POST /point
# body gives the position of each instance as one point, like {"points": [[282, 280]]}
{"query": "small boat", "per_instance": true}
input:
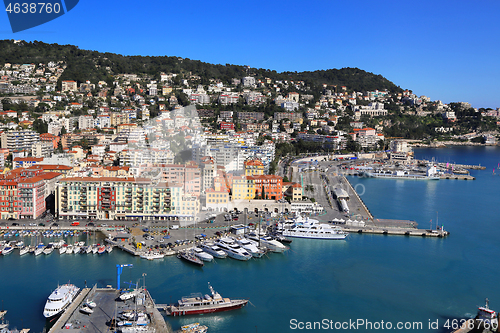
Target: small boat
{"points": [[85, 309], [91, 304], [7, 249], [101, 249], [48, 249], [63, 249], [190, 257], [39, 249], [109, 248], [88, 249], [152, 255], [130, 294], [24, 250], [194, 328], [95, 249], [202, 254], [69, 249]]}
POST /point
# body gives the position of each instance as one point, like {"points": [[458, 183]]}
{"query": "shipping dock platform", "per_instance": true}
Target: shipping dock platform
{"points": [[108, 313]]}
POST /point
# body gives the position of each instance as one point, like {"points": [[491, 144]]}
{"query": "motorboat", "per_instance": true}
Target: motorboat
{"points": [[69, 249], [233, 250], [39, 249], [198, 304], [87, 310], [48, 249], [268, 242], [59, 299], [152, 255], [202, 254], [213, 250], [91, 304], [23, 250], [251, 246], [63, 249], [101, 249], [7, 249], [109, 248], [129, 294]]}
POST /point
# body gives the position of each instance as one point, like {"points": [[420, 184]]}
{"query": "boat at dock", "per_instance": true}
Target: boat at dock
{"points": [[213, 250], [251, 246], [198, 304], [430, 174], [190, 257], [202, 254], [229, 245], [310, 228], [267, 241], [60, 299], [152, 255]]}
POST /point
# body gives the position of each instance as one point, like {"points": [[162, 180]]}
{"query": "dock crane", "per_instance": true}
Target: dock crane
{"points": [[119, 269]]}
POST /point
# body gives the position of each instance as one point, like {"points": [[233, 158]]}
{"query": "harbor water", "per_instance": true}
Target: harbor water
{"points": [[366, 277]]}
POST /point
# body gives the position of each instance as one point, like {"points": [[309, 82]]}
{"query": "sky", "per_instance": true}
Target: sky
{"points": [[446, 50]]}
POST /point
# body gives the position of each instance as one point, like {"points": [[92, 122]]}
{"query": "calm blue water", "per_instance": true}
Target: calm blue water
{"points": [[369, 277]]}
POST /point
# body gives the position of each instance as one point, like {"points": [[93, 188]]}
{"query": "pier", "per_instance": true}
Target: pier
{"points": [[107, 311]]}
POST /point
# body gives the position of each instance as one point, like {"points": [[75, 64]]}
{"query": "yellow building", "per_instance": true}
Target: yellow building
{"points": [[253, 167], [243, 188]]}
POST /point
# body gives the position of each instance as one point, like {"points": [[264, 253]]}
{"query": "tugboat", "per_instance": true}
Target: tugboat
{"points": [[198, 304], [486, 321]]}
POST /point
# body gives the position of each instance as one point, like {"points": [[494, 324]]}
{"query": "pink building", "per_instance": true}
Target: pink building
{"points": [[31, 193], [188, 175]]}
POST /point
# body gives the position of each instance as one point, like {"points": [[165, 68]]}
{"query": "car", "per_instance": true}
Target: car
{"points": [[41, 224], [15, 223], [170, 244], [54, 224], [178, 242], [90, 224], [33, 224], [11, 219], [218, 233], [104, 225]]}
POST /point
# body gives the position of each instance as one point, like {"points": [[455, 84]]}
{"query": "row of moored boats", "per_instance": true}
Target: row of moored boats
{"points": [[60, 246]]}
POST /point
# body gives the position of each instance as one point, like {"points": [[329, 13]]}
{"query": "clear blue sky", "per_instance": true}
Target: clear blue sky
{"points": [[447, 50]]}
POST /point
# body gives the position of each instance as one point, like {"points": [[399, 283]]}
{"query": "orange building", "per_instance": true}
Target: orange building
{"points": [[268, 186]]}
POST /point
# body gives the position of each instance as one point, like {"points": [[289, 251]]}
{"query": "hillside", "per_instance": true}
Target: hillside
{"points": [[85, 65]]}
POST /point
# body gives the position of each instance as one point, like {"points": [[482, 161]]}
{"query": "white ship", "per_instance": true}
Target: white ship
{"points": [[232, 249], [310, 228], [60, 299], [431, 174]]}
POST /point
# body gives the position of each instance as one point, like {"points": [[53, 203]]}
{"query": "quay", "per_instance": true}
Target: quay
{"points": [[106, 313]]}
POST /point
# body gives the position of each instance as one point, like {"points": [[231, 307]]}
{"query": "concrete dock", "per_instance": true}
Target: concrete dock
{"points": [[107, 312]]}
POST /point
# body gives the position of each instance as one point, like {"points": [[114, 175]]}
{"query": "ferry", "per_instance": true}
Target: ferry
{"points": [[310, 228], [431, 174], [198, 304], [59, 300]]}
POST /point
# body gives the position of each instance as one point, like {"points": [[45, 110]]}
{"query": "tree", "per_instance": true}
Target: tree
{"points": [[63, 130]]}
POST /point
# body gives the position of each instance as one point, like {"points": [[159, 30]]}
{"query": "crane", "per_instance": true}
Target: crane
{"points": [[119, 269]]}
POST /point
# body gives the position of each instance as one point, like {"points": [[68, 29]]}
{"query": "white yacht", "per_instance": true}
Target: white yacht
{"points": [[60, 299], [69, 249], [232, 249], [268, 242], [7, 249], [76, 248], [251, 246], [152, 255], [63, 249], [214, 250], [39, 249], [48, 249], [310, 228], [202, 254], [24, 250]]}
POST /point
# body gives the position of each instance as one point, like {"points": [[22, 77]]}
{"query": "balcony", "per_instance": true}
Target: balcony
{"points": [[128, 190]]}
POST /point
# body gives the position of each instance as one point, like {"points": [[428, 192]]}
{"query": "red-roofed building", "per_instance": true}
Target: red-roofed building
{"points": [[268, 186], [31, 197], [226, 126]]}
